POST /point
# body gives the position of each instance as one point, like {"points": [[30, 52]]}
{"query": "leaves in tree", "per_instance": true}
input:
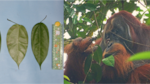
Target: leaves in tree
{"points": [[75, 19], [80, 8], [103, 2], [90, 6], [17, 42], [87, 19], [109, 61], [40, 42]]}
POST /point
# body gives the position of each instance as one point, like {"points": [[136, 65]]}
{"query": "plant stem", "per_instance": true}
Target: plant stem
{"points": [[11, 21], [44, 18]]}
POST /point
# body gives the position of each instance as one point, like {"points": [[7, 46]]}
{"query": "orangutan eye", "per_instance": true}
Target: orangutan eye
{"points": [[107, 40]]}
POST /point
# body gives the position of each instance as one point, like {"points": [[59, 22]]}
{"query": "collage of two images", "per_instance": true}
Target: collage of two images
{"points": [[74, 41]]}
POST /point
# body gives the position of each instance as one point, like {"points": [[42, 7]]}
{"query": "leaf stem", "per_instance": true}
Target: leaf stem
{"points": [[90, 66], [44, 18], [11, 21]]}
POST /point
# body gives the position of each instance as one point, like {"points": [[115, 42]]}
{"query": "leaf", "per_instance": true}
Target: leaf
{"points": [[97, 72], [81, 34], [109, 61], [80, 8], [70, 0], [89, 77], [80, 20], [90, 6], [66, 82], [17, 42], [148, 2], [80, 82], [139, 9], [74, 19], [98, 55], [40, 42], [147, 21], [69, 10], [130, 7], [140, 56], [103, 2], [71, 13], [87, 19], [66, 77], [87, 64]]}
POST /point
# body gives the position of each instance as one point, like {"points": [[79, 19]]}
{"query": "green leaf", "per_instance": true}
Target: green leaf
{"points": [[70, 0], [139, 9], [140, 56], [87, 64], [66, 77], [75, 19], [90, 6], [98, 55], [109, 61], [81, 34], [87, 19], [89, 77], [66, 82], [80, 82], [147, 21], [148, 2], [80, 20], [69, 10], [80, 8], [103, 2], [97, 72], [17, 42], [130, 7], [71, 13], [40, 42]]}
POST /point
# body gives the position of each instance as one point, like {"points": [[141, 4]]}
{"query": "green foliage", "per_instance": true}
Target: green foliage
{"points": [[96, 14], [109, 61], [148, 20], [17, 42], [40, 42], [98, 55], [140, 56], [66, 82], [96, 72], [93, 70], [66, 77], [87, 64]]}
